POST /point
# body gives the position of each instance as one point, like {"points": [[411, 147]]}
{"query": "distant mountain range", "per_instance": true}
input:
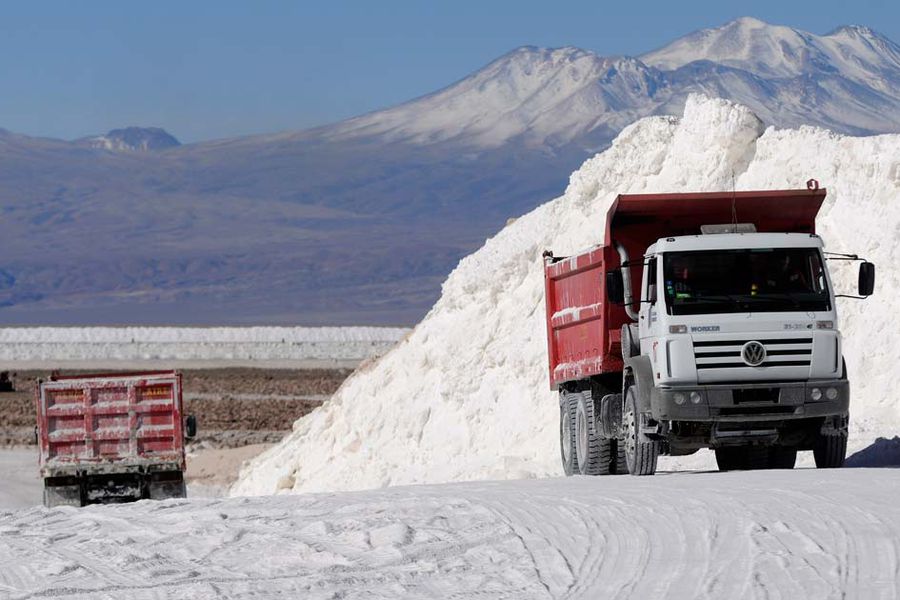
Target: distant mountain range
{"points": [[359, 222]]}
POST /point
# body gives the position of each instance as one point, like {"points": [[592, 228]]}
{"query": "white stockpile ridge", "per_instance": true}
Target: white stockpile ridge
{"points": [[34, 344], [465, 396]]}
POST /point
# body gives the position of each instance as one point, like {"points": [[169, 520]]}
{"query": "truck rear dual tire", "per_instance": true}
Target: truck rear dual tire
{"points": [[641, 452], [594, 455], [567, 406]]}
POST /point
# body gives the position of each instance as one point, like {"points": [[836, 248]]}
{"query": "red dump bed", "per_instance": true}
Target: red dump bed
{"points": [[102, 423], [583, 329]]}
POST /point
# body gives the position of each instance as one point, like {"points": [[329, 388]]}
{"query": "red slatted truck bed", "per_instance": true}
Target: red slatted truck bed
{"points": [[111, 437]]}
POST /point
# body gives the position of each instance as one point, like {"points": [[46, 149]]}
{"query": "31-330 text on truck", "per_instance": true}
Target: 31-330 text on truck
{"points": [[706, 320]]}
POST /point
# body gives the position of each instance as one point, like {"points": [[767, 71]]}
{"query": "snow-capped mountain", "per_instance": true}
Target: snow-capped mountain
{"points": [[134, 139], [359, 222], [848, 80], [538, 96], [857, 53]]}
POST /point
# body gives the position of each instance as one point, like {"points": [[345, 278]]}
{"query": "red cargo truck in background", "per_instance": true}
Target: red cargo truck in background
{"points": [[112, 437], [705, 320]]}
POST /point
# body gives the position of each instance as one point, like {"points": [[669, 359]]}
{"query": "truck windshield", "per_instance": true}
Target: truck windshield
{"points": [[745, 280]]}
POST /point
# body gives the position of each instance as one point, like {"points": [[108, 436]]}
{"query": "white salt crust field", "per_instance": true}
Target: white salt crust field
{"points": [[763, 534], [35, 347]]}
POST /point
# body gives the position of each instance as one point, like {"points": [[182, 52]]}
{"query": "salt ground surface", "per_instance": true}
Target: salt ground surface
{"points": [[764, 534], [20, 482], [465, 396], [25, 347], [210, 472]]}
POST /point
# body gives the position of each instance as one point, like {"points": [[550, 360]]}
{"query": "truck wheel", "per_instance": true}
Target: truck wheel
{"points": [[830, 450], [729, 459], [165, 485], [68, 494], [620, 465], [567, 433], [782, 458], [640, 453], [593, 453]]}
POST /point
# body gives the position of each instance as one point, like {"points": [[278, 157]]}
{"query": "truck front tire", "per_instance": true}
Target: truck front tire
{"points": [[594, 454], [830, 450], [567, 406], [641, 453]]}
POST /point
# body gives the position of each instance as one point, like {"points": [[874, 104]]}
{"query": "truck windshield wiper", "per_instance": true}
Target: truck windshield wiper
{"points": [[777, 297], [718, 298]]}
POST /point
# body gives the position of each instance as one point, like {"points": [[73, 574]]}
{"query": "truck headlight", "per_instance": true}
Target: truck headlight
{"points": [[831, 393], [816, 394], [695, 397], [678, 397]]}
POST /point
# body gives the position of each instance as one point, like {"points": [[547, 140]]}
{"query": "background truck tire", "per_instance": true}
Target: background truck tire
{"points": [[62, 495], [641, 453], [593, 454], [567, 433], [830, 450], [163, 486]]}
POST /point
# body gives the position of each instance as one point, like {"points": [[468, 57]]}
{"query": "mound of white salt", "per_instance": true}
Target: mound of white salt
{"points": [[466, 396]]}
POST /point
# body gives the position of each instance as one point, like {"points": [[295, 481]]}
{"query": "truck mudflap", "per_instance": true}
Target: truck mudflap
{"points": [[751, 402]]}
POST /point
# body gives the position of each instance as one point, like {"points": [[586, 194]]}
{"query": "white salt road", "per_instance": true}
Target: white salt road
{"points": [[777, 534], [20, 483]]}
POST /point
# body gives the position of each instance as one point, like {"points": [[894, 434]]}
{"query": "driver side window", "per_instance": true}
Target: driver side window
{"points": [[650, 286]]}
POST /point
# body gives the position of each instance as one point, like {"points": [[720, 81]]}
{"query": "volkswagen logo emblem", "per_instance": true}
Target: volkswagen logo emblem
{"points": [[753, 353]]}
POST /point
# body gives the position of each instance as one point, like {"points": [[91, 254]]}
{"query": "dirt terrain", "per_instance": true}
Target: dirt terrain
{"points": [[234, 406]]}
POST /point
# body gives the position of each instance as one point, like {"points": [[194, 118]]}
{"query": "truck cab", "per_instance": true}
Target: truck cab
{"points": [[742, 338], [719, 334]]}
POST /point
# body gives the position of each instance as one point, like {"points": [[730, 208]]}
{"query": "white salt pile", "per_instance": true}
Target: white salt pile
{"points": [[466, 396]]}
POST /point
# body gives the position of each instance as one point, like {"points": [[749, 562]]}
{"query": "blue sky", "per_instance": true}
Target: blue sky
{"points": [[207, 70]]}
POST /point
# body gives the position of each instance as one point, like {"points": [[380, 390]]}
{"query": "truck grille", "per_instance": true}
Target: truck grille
{"points": [[726, 353]]}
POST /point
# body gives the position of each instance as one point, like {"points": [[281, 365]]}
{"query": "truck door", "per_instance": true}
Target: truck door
{"points": [[648, 323]]}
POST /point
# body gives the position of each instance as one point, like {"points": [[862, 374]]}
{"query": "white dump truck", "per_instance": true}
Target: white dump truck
{"points": [[705, 320]]}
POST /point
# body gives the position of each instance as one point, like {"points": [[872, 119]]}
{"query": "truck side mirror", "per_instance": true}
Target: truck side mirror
{"points": [[866, 278], [615, 289], [190, 429]]}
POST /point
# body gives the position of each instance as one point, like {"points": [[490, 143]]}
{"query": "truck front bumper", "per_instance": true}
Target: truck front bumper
{"points": [[751, 402]]}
